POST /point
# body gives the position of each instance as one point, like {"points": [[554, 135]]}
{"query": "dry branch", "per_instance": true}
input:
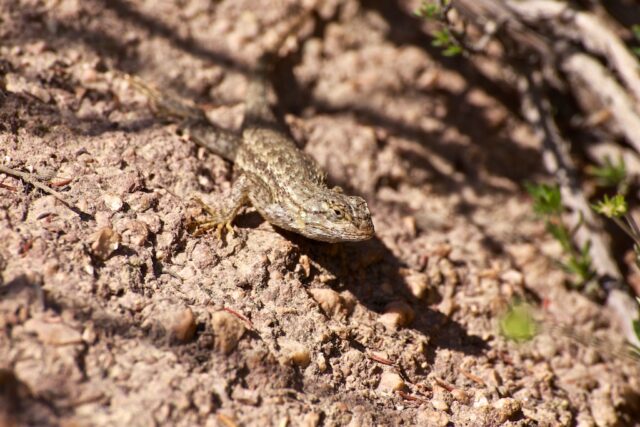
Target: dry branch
{"points": [[593, 75], [587, 29], [527, 24]]}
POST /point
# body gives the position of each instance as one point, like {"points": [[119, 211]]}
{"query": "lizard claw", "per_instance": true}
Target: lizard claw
{"points": [[212, 223]]}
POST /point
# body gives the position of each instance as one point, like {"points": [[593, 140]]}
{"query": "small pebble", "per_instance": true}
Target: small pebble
{"points": [[105, 242], [112, 202], [329, 300], [430, 417], [418, 283], [227, 330], [295, 353], [89, 334], [439, 404], [312, 419], [397, 314], [137, 232], [321, 362], [460, 395], [507, 408], [602, 410], [305, 264], [513, 277], [183, 325], [390, 382]]}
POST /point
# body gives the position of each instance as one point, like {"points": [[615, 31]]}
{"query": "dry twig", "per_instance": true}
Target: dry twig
{"points": [[29, 179]]}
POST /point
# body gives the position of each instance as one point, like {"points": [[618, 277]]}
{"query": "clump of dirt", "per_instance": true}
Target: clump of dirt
{"points": [[123, 318]]}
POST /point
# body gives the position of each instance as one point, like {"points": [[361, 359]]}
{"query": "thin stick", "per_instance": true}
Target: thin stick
{"points": [[29, 179]]}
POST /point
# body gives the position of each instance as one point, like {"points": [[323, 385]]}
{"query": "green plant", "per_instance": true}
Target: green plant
{"points": [[428, 10], [547, 204], [617, 210], [611, 174], [443, 38], [635, 29], [636, 329]]}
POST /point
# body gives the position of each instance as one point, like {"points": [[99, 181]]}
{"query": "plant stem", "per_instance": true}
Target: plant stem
{"points": [[627, 229]]}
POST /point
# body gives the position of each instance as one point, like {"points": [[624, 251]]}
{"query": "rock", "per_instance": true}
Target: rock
{"points": [[480, 399], [246, 396], [105, 242], [305, 264], [294, 352], [329, 300], [312, 419], [227, 330], [397, 314], [53, 333], [602, 410], [89, 334], [112, 202], [430, 417], [182, 325], [460, 395], [439, 404], [321, 362], [136, 233], [506, 408], [513, 277], [390, 382], [418, 283]]}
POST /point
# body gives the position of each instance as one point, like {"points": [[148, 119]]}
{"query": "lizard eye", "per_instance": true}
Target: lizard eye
{"points": [[337, 213]]}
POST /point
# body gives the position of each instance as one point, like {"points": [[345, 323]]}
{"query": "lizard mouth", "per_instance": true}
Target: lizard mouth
{"points": [[366, 229]]}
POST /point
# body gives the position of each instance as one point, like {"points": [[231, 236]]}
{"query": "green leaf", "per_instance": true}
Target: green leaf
{"points": [[441, 38], [452, 50], [561, 234], [547, 199], [581, 264], [635, 29], [636, 327], [427, 10], [614, 207], [609, 174]]}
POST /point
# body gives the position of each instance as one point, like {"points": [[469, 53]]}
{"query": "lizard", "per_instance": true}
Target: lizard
{"points": [[284, 184]]}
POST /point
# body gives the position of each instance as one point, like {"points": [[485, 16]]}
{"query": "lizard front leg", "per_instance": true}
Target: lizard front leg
{"points": [[220, 218]]}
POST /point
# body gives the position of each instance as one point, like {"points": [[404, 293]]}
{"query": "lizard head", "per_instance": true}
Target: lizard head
{"points": [[336, 217]]}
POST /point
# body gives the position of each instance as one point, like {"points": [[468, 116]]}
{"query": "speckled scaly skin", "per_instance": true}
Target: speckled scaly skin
{"points": [[284, 184]]}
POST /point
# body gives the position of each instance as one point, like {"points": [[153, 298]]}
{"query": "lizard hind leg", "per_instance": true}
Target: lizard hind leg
{"points": [[220, 218]]}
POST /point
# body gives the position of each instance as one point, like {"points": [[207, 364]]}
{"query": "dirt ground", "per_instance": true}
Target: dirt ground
{"points": [[122, 318]]}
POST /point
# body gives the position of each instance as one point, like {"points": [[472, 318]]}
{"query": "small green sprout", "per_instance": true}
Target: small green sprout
{"points": [[427, 10], [614, 207], [610, 174], [518, 324], [444, 39], [546, 199], [580, 264], [547, 203]]}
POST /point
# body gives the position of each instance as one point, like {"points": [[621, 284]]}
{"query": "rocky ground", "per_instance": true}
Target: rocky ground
{"points": [[121, 317]]}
